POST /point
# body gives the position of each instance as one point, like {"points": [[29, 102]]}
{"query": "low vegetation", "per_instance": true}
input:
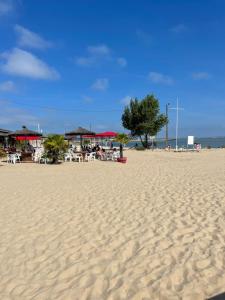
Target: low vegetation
{"points": [[55, 147], [2, 153], [122, 139]]}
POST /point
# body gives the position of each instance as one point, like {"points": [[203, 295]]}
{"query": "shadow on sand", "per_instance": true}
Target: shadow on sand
{"points": [[218, 297]]}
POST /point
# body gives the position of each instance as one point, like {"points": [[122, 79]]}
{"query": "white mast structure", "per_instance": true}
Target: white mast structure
{"points": [[177, 108]]}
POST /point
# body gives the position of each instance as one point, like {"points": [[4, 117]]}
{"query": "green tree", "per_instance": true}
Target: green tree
{"points": [[55, 147], [143, 118], [123, 139]]}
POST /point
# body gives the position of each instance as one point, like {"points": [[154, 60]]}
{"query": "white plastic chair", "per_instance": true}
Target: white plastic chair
{"points": [[109, 156], [115, 155], [68, 157], [13, 158], [38, 155], [92, 156], [9, 158], [17, 157], [43, 159], [88, 157], [78, 157]]}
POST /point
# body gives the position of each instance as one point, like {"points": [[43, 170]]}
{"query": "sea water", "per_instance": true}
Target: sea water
{"points": [[210, 142]]}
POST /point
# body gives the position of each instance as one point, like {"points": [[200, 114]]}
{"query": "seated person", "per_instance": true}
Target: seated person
{"points": [[100, 154], [89, 150]]}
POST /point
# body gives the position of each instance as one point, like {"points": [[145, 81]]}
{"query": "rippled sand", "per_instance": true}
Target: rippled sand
{"points": [[151, 229]]}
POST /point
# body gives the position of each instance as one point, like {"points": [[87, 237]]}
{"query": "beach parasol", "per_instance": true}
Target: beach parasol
{"points": [[25, 134], [4, 132], [103, 135], [79, 132], [4, 135], [106, 134]]}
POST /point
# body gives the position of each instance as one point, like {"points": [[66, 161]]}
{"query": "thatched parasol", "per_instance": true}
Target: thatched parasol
{"points": [[25, 134], [79, 132], [4, 132]]}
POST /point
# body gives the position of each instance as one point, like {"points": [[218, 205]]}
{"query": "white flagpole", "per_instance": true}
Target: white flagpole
{"points": [[177, 108], [177, 126]]}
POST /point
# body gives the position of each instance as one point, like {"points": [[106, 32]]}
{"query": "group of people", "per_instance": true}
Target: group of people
{"points": [[101, 153], [24, 148]]}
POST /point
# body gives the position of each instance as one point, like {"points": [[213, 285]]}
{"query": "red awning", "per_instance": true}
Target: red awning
{"points": [[106, 134], [27, 138]]}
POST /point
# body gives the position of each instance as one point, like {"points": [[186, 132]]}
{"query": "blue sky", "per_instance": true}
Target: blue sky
{"points": [[70, 63]]}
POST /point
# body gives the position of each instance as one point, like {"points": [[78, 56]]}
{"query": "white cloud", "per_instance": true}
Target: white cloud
{"points": [[201, 76], [87, 99], [101, 84], [99, 50], [6, 7], [85, 61], [160, 78], [125, 100], [22, 63], [27, 38], [11, 115], [179, 28], [99, 54], [96, 54], [144, 37], [7, 86], [122, 61]]}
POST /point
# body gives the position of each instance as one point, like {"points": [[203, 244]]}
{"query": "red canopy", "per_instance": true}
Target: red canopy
{"points": [[106, 134], [27, 138]]}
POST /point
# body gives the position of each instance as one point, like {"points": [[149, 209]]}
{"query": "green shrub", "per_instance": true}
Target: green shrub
{"points": [[2, 153], [55, 147]]}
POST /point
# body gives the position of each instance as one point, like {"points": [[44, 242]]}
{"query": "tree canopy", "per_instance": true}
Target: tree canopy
{"points": [[143, 118]]}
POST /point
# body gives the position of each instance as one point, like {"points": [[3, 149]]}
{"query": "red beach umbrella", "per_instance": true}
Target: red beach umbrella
{"points": [[106, 134], [109, 134]]}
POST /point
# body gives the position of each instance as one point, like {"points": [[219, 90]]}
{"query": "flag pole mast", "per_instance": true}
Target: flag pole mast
{"points": [[177, 108], [177, 125]]}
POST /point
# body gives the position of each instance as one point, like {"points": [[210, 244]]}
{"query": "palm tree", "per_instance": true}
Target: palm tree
{"points": [[55, 146], [123, 139]]}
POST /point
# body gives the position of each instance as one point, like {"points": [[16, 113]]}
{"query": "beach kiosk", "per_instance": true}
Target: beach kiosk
{"points": [[80, 131], [25, 135]]}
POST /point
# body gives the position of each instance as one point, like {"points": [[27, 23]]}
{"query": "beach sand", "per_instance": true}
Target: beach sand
{"points": [[153, 228]]}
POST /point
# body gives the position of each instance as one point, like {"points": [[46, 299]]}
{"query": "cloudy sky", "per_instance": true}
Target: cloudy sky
{"points": [[70, 63]]}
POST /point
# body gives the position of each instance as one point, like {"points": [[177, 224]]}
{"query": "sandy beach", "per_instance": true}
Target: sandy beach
{"points": [[153, 228]]}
